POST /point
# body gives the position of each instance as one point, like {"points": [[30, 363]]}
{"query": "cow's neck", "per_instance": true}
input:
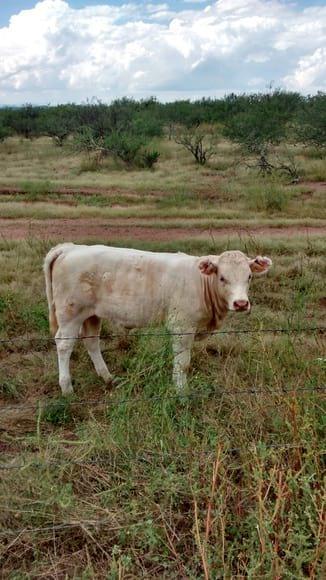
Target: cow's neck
{"points": [[215, 304]]}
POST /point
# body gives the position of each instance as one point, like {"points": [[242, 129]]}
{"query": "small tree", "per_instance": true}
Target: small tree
{"points": [[94, 115], [121, 130], [86, 141], [197, 141], [125, 147], [4, 132], [311, 122], [24, 121], [260, 127], [58, 122]]}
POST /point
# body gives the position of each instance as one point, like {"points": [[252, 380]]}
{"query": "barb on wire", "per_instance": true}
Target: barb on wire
{"points": [[157, 453], [289, 330], [178, 396]]}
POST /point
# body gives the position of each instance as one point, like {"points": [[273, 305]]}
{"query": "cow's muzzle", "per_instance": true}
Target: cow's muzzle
{"points": [[241, 305]]}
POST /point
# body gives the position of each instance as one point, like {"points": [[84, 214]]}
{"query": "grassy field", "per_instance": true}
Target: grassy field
{"points": [[135, 482]]}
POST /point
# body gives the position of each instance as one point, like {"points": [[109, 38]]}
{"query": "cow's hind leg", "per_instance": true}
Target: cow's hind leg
{"points": [[91, 329], [65, 339]]}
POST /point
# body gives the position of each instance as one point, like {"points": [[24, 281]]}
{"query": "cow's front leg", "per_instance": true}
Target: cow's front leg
{"points": [[182, 345]]}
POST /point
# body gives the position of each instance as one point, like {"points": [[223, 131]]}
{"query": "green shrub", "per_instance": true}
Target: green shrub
{"points": [[149, 158], [35, 317], [123, 146], [58, 412], [9, 387]]}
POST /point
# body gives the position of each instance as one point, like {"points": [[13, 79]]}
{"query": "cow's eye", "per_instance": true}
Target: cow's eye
{"points": [[222, 279], [250, 276]]}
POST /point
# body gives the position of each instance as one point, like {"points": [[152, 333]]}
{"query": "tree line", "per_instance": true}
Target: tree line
{"points": [[125, 127]]}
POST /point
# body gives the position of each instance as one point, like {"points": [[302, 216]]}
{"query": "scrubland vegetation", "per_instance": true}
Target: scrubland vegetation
{"points": [[134, 481]]}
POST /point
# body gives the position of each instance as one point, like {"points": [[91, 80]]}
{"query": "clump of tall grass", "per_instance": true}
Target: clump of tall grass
{"points": [[36, 189], [90, 164], [314, 169], [267, 196]]}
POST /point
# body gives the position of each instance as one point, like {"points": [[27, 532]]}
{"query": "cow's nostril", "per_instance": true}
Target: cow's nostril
{"points": [[241, 304]]}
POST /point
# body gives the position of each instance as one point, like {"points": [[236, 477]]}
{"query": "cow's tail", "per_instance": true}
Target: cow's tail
{"points": [[50, 258]]}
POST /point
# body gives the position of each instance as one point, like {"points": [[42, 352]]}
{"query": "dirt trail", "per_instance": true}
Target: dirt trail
{"points": [[97, 229], [65, 190], [108, 191]]}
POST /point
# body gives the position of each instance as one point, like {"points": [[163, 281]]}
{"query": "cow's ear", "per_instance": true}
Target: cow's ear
{"points": [[260, 265], [206, 266]]}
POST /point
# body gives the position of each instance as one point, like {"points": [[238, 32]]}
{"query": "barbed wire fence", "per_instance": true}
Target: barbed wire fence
{"points": [[283, 330], [40, 405], [162, 454]]}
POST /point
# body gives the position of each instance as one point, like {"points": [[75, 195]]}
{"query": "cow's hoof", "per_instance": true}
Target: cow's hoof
{"points": [[116, 381], [112, 381], [107, 378], [67, 390]]}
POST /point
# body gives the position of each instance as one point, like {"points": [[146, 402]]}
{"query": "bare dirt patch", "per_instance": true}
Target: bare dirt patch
{"points": [[87, 229], [322, 302], [314, 185], [311, 187]]}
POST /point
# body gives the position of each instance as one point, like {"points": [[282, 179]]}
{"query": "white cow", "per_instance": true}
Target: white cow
{"points": [[135, 289]]}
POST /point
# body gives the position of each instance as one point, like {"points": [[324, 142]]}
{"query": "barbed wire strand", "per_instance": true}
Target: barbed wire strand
{"points": [[162, 454], [42, 404], [296, 330], [68, 525]]}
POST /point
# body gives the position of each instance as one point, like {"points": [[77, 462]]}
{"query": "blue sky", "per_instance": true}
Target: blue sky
{"points": [[56, 51], [10, 7]]}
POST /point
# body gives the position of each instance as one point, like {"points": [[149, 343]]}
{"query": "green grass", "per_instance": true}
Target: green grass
{"points": [[178, 485]]}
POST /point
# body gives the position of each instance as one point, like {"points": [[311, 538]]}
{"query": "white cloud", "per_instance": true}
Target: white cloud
{"points": [[56, 53], [310, 72]]}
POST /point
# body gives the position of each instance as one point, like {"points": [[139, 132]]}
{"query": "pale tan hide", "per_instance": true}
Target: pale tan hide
{"points": [[135, 289]]}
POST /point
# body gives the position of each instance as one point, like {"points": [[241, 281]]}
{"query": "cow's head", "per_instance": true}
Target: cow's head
{"points": [[232, 272]]}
